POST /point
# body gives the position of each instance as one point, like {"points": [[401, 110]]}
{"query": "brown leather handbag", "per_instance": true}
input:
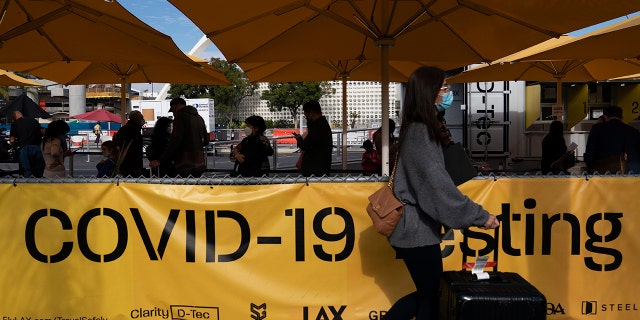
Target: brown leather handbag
{"points": [[384, 209]]}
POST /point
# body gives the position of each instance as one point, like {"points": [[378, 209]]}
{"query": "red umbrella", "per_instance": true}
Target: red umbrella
{"points": [[98, 115]]}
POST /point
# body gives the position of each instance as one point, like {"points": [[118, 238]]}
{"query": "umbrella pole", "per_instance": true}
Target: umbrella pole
{"points": [[123, 101], [344, 122], [385, 44], [559, 95], [384, 49]]}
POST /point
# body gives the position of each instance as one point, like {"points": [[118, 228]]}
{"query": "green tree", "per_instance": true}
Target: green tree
{"points": [[227, 99], [354, 116], [292, 95], [189, 91]]}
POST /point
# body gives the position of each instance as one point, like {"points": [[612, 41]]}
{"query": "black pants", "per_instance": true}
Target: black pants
{"points": [[425, 267]]}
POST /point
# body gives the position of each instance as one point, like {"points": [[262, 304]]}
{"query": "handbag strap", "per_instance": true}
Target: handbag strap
{"points": [[393, 172]]}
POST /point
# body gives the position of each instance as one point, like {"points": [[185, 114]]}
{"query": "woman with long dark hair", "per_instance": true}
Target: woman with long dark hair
{"points": [[253, 152], [159, 142], [553, 147], [430, 196], [53, 149]]}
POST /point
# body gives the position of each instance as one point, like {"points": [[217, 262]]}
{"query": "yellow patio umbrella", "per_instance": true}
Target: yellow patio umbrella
{"points": [[463, 32], [519, 66], [573, 59], [324, 70], [441, 30], [635, 76], [9, 79], [609, 52], [72, 34], [617, 41], [78, 30], [198, 71]]}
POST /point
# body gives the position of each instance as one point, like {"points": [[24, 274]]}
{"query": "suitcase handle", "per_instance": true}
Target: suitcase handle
{"points": [[469, 265], [496, 242]]}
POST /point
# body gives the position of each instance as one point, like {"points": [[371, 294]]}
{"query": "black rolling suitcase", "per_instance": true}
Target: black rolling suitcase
{"points": [[504, 296]]}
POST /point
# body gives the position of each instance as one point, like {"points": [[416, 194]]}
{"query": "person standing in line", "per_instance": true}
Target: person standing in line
{"points": [[188, 138], [53, 151], [129, 141], [430, 196], [393, 143], [253, 152], [27, 133], [107, 166], [370, 161], [159, 141], [553, 147], [97, 130], [317, 145], [609, 142], [63, 129]]}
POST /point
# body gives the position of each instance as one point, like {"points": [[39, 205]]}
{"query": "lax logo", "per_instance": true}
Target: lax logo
{"points": [[259, 312], [589, 307]]}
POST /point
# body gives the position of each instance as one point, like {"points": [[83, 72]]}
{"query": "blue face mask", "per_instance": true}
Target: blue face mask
{"points": [[447, 100]]}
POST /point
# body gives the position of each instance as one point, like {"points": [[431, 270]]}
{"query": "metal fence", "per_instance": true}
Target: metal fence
{"points": [[355, 139], [288, 179]]}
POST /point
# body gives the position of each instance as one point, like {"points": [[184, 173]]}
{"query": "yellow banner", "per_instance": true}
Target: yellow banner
{"points": [[294, 251]]}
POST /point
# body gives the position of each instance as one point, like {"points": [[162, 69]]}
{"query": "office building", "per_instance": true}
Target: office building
{"points": [[364, 100]]}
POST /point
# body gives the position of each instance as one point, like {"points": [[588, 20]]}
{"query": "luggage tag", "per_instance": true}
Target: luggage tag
{"points": [[478, 268]]}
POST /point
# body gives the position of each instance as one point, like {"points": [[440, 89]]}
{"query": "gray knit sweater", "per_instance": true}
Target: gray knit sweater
{"points": [[431, 198]]}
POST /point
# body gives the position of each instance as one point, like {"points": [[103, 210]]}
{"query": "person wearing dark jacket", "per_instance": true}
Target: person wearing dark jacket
{"points": [[129, 140], [252, 154], [159, 142], [553, 147], [188, 137], [317, 146], [393, 143], [610, 141], [27, 133]]}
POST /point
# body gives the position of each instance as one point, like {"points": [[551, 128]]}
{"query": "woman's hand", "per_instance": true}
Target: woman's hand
{"points": [[297, 136], [235, 153], [491, 223]]}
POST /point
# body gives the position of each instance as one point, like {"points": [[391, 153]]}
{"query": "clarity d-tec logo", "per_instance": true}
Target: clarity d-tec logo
{"points": [[592, 307]]}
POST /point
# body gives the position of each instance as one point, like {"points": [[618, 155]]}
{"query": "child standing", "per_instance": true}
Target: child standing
{"points": [[107, 167], [370, 161]]}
